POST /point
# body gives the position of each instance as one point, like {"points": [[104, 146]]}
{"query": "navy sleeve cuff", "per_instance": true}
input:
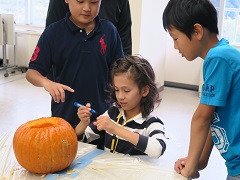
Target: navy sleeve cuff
{"points": [[142, 143]]}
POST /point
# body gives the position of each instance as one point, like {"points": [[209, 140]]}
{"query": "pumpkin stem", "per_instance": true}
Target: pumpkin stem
{"points": [[42, 122]]}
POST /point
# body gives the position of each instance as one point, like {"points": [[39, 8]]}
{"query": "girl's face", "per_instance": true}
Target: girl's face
{"points": [[83, 12], [128, 94]]}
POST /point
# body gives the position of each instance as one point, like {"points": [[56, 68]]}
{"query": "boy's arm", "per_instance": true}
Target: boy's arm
{"points": [[201, 121], [56, 90], [180, 163], [206, 151], [35, 78], [124, 28]]}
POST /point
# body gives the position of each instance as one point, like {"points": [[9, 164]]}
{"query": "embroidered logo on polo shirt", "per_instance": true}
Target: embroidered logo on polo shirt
{"points": [[103, 45], [35, 54]]}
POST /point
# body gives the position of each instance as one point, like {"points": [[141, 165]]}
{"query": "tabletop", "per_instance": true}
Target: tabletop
{"points": [[90, 163]]}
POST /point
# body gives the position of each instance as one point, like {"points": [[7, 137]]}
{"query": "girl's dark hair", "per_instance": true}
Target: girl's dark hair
{"points": [[183, 14], [141, 71]]}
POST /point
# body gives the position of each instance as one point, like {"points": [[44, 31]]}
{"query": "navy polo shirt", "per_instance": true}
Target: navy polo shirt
{"points": [[79, 61]]}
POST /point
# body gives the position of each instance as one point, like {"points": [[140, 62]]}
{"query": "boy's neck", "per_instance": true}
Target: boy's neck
{"points": [[211, 42], [88, 27]]}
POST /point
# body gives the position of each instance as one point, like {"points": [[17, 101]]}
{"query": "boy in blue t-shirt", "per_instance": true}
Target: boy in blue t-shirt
{"points": [[81, 49], [193, 26]]}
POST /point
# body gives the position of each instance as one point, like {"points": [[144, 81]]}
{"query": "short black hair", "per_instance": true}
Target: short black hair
{"points": [[183, 14]]}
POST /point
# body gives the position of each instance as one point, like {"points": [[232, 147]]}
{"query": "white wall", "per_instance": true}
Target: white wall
{"points": [[136, 13], [148, 35], [178, 69]]}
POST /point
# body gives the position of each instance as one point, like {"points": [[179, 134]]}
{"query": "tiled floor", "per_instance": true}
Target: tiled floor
{"points": [[20, 101]]}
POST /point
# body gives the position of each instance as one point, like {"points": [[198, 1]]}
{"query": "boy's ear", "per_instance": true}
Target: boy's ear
{"points": [[198, 31], [67, 1], [145, 91]]}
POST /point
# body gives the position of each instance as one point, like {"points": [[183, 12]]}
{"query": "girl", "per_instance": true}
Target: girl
{"points": [[128, 125]]}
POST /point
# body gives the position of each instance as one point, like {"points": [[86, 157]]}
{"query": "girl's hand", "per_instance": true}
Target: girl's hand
{"points": [[57, 90], [105, 123], [84, 114]]}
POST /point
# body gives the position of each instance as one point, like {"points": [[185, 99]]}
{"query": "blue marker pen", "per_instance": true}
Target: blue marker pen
{"points": [[79, 105]]}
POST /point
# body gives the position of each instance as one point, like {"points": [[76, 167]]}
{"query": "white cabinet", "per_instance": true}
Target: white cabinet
{"points": [[25, 45]]}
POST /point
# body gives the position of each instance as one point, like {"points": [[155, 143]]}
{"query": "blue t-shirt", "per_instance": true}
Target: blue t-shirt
{"points": [[221, 88], [79, 60]]}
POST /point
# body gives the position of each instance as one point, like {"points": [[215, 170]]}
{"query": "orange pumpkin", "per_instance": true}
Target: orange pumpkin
{"points": [[45, 145]]}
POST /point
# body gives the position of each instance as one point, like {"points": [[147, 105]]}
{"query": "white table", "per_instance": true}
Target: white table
{"points": [[90, 163]]}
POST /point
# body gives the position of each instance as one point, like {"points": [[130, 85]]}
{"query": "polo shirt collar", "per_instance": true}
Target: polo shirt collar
{"points": [[73, 27]]}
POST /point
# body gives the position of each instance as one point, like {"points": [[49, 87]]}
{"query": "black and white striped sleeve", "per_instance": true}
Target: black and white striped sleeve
{"points": [[152, 139]]}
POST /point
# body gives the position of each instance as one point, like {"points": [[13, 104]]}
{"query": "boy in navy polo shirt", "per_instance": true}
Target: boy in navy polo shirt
{"points": [[81, 49]]}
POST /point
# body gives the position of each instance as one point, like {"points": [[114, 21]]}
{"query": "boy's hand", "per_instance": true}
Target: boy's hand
{"points": [[182, 169], [185, 173], [57, 90], [105, 123], [179, 164], [84, 114]]}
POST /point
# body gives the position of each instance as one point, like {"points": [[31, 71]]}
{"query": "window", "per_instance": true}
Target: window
{"points": [[39, 11], [26, 11], [229, 19]]}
